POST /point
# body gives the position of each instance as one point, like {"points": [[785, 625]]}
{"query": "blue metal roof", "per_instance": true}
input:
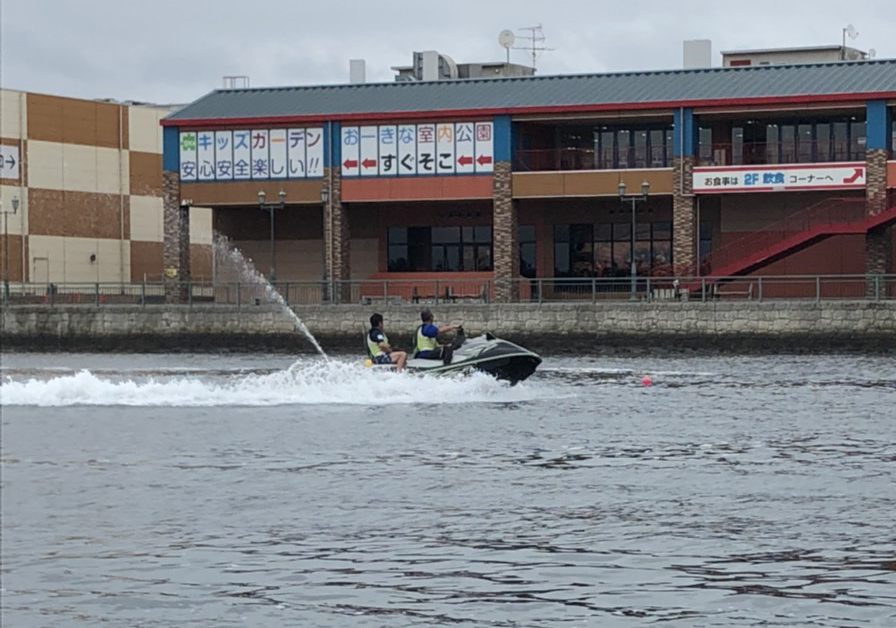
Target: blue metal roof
{"points": [[858, 79]]}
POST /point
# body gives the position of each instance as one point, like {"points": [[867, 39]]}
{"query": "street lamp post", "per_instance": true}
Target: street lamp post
{"points": [[645, 190], [270, 209], [6, 213]]}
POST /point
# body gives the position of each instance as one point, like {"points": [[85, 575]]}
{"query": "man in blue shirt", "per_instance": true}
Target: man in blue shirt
{"points": [[378, 345], [427, 340]]}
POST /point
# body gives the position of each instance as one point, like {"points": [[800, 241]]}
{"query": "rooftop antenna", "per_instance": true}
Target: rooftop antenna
{"points": [[535, 38], [853, 33], [506, 39]]}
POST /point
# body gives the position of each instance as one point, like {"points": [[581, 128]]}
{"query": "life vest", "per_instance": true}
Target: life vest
{"points": [[425, 343], [373, 347]]}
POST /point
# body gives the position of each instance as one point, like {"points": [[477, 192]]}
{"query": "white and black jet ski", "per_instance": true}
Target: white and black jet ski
{"points": [[499, 358]]}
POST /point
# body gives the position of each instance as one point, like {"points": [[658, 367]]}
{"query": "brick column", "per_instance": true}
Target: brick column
{"points": [[684, 240], [878, 250], [505, 235], [176, 245], [337, 237]]}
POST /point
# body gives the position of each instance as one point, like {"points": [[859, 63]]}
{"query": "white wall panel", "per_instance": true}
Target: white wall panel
{"points": [[144, 129], [147, 219], [66, 260], [13, 124], [200, 225], [77, 168]]}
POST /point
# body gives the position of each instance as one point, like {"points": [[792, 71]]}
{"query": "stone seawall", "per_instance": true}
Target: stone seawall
{"points": [[744, 325]]}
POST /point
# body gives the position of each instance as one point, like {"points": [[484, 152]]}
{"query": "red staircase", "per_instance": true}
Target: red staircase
{"points": [[837, 216]]}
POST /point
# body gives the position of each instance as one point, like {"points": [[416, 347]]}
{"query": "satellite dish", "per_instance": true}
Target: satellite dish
{"points": [[851, 31], [506, 38], [872, 53]]}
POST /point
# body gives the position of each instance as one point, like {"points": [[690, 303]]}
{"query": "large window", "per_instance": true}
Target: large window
{"points": [[527, 250], [635, 147], [605, 249], [803, 140], [446, 249]]}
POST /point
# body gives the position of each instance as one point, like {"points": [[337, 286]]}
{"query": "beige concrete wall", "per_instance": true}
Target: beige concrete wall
{"points": [[13, 110], [76, 167], [147, 218], [201, 225], [144, 128], [61, 260]]}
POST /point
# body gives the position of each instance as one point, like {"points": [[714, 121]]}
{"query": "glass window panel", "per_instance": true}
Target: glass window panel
{"points": [[527, 259], [662, 230], [398, 258], [657, 148], [622, 231], [482, 234], [603, 259], [805, 144], [467, 234], [642, 231], [640, 148], [469, 257], [526, 233], [662, 256], [621, 259], [839, 141], [561, 233], [624, 140], [823, 142], [398, 235], [603, 232], [580, 233], [788, 143], [452, 258], [446, 235], [484, 257], [561, 259], [772, 149], [857, 140]]}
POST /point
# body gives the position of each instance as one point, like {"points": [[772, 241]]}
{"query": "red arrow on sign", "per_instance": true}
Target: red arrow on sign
{"points": [[368, 163], [484, 159], [855, 176], [464, 160], [350, 163]]}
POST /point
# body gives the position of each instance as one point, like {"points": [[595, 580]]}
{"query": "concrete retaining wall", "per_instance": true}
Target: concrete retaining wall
{"points": [[826, 325]]}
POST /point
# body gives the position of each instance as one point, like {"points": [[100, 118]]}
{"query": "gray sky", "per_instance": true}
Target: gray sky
{"points": [[174, 51]]}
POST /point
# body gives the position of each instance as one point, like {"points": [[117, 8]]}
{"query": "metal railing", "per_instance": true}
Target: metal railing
{"points": [[405, 291]]}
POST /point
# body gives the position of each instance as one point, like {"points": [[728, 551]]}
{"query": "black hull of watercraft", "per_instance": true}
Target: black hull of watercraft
{"points": [[513, 370], [499, 358]]}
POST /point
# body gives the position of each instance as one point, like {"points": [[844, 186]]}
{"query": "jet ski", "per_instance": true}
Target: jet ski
{"points": [[501, 359]]}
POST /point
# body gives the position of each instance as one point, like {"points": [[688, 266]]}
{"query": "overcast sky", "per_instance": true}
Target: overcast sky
{"points": [[174, 51]]}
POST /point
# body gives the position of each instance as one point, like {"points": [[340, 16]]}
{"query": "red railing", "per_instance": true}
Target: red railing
{"points": [[833, 216]]}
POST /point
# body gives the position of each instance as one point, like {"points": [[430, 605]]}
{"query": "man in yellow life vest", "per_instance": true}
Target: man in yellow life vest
{"points": [[378, 345], [427, 340]]}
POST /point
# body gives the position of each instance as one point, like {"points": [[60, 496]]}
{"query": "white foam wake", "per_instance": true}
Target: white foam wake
{"points": [[320, 382]]}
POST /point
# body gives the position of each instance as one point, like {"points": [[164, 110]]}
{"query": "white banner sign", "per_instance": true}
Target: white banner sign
{"points": [[187, 150], [774, 178], [9, 162], [223, 155], [441, 148], [205, 155], [258, 154]]}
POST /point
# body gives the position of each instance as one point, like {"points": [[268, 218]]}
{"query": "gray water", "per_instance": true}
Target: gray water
{"points": [[210, 491]]}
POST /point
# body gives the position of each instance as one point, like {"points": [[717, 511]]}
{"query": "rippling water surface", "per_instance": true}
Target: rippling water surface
{"points": [[214, 491]]}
